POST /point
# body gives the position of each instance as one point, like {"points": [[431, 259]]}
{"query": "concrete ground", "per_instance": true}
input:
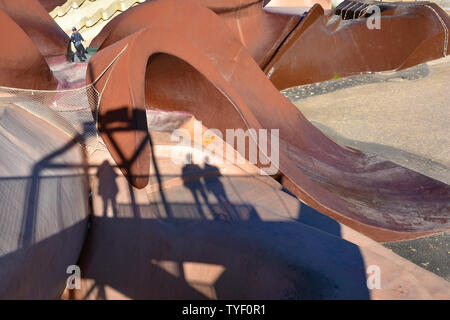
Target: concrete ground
{"points": [[431, 253], [89, 53], [183, 198], [401, 116], [373, 113]]}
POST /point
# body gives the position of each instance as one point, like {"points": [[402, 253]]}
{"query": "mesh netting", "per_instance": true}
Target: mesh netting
{"points": [[73, 111], [69, 110]]}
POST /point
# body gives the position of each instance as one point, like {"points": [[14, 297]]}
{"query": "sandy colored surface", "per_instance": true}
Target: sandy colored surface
{"points": [[404, 121], [240, 231]]}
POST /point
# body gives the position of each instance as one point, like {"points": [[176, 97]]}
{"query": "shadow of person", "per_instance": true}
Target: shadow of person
{"points": [[107, 187], [191, 180], [214, 186]]}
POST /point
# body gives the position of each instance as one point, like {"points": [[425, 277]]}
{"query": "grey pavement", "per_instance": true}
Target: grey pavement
{"points": [[401, 116], [431, 253]]}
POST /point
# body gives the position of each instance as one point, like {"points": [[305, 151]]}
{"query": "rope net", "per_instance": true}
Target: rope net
{"points": [[74, 111]]}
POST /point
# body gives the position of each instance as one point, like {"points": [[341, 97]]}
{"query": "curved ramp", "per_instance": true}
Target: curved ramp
{"points": [[182, 65]]}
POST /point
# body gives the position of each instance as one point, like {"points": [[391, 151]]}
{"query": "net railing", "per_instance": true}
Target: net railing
{"points": [[74, 111]]}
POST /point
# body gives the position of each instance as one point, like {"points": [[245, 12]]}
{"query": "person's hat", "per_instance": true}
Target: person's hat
{"points": [[73, 29]]}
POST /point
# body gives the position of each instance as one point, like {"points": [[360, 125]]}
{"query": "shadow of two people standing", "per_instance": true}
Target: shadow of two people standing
{"points": [[203, 181]]}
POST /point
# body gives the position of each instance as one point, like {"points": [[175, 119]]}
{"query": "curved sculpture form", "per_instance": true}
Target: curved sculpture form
{"points": [[38, 25], [194, 65], [323, 46], [260, 253], [293, 52], [21, 63], [44, 206], [260, 32], [294, 6], [49, 5]]}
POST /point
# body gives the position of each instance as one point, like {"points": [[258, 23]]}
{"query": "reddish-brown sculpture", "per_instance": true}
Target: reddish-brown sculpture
{"points": [[45, 33], [188, 61], [260, 32], [293, 52], [323, 46], [42, 230], [49, 5], [21, 63]]}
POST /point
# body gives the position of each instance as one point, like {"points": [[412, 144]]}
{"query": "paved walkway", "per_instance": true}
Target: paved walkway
{"points": [[206, 230], [401, 116]]}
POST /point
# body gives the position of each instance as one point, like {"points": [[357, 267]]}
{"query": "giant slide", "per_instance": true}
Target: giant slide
{"points": [[220, 83], [135, 236]]}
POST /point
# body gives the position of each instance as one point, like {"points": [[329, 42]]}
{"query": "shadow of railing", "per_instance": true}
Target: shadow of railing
{"points": [[130, 254]]}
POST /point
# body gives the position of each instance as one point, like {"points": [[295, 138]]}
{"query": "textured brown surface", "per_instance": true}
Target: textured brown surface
{"points": [[49, 5], [201, 68], [376, 117], [187, 66], [21, 63], [47, 36], [323, 46], [260, 32], [43, 208], [258, 242], [318, 48]]}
